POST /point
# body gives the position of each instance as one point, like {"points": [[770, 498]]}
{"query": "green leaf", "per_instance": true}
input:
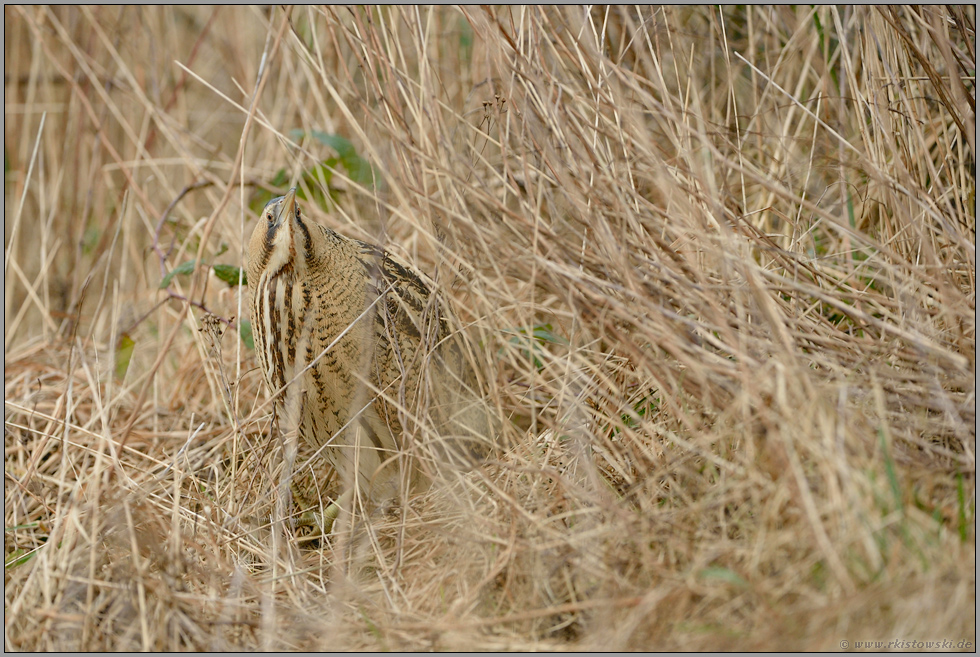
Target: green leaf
{"points": [[465, 35], [531, 344], [89, 239], [183, 269], [280, 179], [725, 575], [245, 331], [21, 527], [319, 177], [229, 274], [345, 149], [963, 525], [358, 169], [372, 628], [640, 409], [890, 472], [124, 353], [545, 333], [16, 558], [260, 197]]}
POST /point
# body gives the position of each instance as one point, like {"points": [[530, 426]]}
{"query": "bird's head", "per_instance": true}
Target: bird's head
{"points": [[280, 238]]}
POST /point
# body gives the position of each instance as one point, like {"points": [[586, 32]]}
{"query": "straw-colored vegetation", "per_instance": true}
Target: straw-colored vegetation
{"points": [[720, 266]]}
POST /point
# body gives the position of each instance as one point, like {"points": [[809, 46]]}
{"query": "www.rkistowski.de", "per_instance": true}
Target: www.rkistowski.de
{"points": [[941, 644]]}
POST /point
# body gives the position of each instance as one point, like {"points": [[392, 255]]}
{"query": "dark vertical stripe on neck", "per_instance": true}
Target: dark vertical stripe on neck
{"points": [[308, 254]]}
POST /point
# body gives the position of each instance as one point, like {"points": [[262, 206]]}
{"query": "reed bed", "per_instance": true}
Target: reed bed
{"points": [[719, 265]]}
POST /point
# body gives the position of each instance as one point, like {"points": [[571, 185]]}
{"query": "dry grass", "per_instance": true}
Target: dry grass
{"points": [[744, 243]]}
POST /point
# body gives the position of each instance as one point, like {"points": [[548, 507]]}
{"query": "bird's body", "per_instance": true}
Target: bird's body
{"points": [[365, 350]]}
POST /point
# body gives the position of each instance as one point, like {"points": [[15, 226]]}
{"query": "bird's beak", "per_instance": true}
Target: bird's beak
{"points": [[289, 202]]}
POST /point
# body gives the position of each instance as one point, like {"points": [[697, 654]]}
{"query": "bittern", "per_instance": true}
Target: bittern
{"points": [[365, 351]]}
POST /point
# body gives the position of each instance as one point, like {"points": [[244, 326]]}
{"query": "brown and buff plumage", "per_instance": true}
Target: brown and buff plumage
{"points": [[362, 347]]}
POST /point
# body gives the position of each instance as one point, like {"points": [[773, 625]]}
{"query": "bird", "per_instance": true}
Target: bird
{"points": [[365, 352]]}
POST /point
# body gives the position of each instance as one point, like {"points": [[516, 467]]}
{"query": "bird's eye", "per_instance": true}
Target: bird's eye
{"points": [[271, 216]]}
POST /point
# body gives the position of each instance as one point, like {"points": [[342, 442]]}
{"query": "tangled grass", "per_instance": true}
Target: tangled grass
{"points": [[720, 264]]}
